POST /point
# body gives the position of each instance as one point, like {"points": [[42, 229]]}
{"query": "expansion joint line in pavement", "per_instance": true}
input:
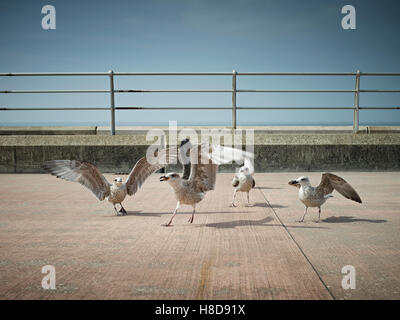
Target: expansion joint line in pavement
{"points": [[297, 244]]}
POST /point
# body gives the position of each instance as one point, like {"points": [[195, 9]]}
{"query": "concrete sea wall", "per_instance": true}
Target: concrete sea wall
{"points": [[307, 151]]}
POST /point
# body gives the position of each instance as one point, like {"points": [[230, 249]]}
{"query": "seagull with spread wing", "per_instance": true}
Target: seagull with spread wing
{"points": [[204, 162], [89, 176], [316, 196], [243, 180]]}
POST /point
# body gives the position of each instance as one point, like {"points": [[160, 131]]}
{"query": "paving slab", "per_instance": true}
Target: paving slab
{"points": [[366, 236], [257, 252]]}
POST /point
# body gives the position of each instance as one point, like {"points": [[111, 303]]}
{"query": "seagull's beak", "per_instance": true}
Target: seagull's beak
{"points": [[163, 178], [293, 182]]}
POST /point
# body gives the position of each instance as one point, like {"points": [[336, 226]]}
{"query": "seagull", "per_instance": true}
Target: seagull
{"points": [[89, 176], [203, 172], [316, 196], [243, 181]]}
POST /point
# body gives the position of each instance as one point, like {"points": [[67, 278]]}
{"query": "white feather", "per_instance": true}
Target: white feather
{"points": [[249, 164], [224, 155]]}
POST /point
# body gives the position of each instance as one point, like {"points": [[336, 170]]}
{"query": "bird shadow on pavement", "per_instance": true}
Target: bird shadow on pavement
{"points": [[265, 205], [241, 223], [266, 188], [159, 214], [346, 219], [260, 205], [277, 206], [129, 213], [137, 213]]}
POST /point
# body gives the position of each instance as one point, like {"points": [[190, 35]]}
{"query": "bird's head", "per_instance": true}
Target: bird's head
{"points": [[301, 181], [171, 177], [118, 181]]}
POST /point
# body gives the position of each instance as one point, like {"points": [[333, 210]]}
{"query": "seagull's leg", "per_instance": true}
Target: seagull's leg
{"points": [[118, 213], [319, 214], [192, 217], [173, 215], [305, 212], [248, 199], [122, 209], [233, 200]]}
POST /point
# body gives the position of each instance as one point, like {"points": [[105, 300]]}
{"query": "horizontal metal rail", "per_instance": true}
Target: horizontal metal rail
{"points": [[50, 74], [191, 108], [54, 109], [112, 91], [193, 91], [378, 91], [297, 91], [55, 91], [296, 74]]}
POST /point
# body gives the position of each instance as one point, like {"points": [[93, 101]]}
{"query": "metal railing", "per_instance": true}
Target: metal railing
{"points": [[234, 91]]}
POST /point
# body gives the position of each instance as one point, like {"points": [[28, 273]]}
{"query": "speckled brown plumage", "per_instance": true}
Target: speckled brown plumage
{"points": [[317, 196], [89, 176]]}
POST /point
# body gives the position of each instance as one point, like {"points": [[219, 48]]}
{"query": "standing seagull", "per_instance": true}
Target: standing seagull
{"points": [[203, 172], [89, 176], [316, 196], [243, 180]]}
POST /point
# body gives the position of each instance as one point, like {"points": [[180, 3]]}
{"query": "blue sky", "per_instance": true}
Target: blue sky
{"points": [[199, 36]]}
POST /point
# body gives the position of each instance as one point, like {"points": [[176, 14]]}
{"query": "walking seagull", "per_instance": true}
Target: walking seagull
{"points": [[316, 196], [243, 180], [203, 171], [89, 176]]}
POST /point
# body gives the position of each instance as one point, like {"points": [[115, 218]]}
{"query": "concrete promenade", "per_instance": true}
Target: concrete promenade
{"points": [[257, 252]]}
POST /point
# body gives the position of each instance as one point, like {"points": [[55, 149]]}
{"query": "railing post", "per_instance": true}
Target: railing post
{"points": [[112, 102], [234, 99], [356, 103]]}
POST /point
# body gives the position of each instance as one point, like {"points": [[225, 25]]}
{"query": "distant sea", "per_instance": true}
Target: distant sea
{"points": [[155, 124]]}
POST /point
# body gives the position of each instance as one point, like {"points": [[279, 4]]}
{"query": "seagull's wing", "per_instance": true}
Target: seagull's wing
{"points": [[202, 175], [143, 169], [80, 171], [205, 164], [222, 155], [330, 181], [186, 171], [248, 163], [184, 148]]}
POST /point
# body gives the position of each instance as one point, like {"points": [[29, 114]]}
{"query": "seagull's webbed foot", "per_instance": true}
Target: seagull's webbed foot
{"points": [[117, 213], [302, 219], [122, 210], [173, 215]]}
